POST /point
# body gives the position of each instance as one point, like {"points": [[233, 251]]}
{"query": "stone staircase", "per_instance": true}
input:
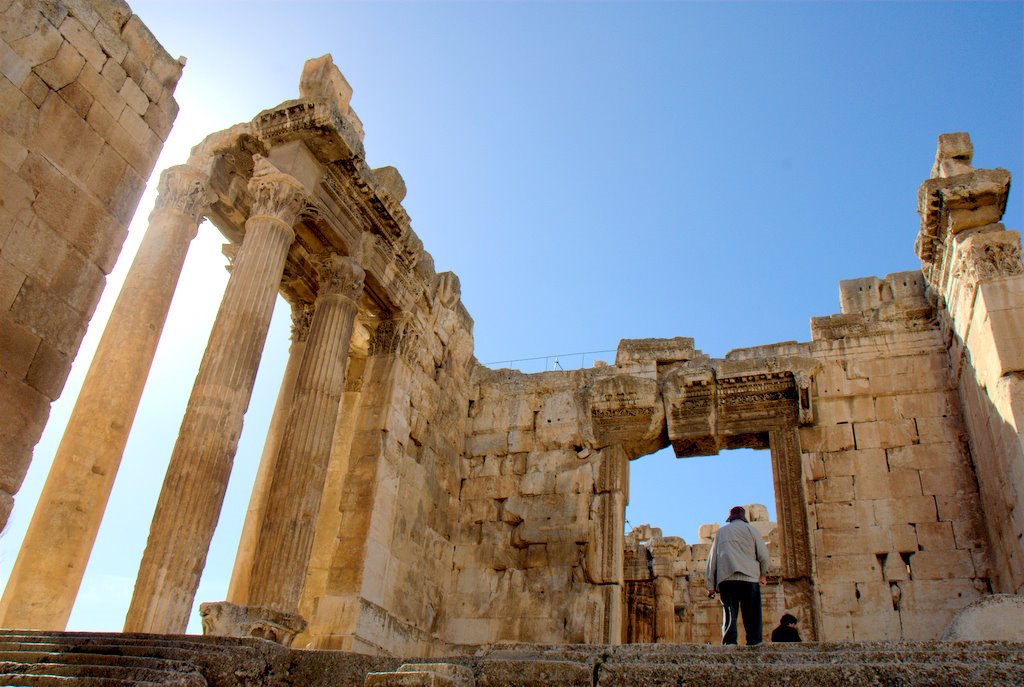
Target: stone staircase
{"points": [[48, 659]]}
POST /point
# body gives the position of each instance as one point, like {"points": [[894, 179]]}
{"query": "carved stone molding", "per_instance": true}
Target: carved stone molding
{"points": [[628, 411], [274, 193], [340, 275], [787, 470], [185, 189]]}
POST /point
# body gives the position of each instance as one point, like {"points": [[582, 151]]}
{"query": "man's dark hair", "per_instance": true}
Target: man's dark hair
{"points": [[788, 619], [737, 513]]}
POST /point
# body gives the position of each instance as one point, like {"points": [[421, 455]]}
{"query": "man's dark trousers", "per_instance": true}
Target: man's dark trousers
{"points": [[744, 598]]}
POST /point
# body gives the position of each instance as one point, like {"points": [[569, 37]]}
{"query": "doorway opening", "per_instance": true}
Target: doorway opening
{"points": [[675, 508]]}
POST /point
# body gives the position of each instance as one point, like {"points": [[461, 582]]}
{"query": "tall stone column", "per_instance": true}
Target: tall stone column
{"points": [[197, 476], [238, 588], [286, 537], [48, 572]]}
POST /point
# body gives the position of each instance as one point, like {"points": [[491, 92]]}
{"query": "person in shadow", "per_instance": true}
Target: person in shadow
{"points": [[786, 631]]}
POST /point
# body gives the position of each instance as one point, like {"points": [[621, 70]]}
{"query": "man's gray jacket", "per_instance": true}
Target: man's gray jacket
{"points": [[738, 553]]}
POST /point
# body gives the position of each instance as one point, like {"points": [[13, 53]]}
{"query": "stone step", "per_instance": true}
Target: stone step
{"points": [[59, 668], [831, 675], [423, 675], [113, 659], [15, 680]]}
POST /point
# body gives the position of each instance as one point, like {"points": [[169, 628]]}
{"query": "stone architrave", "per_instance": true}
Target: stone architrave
{"points": [[286, 537], [197, 476], [52, 560], [238, 588]]}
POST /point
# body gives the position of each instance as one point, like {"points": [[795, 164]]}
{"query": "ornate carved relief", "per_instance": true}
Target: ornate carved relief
{"points": [[997, 258], [274, 193], [792, 510], [395, 335], [186, 190], [302, 317], [340, 275]]}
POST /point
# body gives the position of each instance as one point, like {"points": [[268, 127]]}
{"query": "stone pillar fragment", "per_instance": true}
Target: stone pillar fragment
{"points": [[52, 560], [665, 551], [197, 476], [286, 537], [238, 588]]}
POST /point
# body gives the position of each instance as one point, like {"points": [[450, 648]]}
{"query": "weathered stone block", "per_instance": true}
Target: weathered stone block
{"points": [[33, 38], [18, 113], [102, 90], [826, 438], [62, 69], [48, 316], [18, 347], [882, 434], [834, 489], [844, 514], [905, 482], [12, 65], [65, 138], [941, 565], [84, 42], [935, 536]]}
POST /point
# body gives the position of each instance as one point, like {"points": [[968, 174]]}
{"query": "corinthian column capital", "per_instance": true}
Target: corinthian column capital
{"points": [[340, 276], [275, 194], [186, 190], [302, 317]]}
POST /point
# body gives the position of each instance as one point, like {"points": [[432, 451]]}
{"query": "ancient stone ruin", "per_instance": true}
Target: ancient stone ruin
{"points": [[411, 502]]}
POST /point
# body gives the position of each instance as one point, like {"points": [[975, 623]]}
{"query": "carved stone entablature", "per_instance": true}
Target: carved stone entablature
{"points": [[340, 275], [185, 189], [949, 205], [707, 412], [627, 411], [224, 619], [274, 193], [390, 218], [329, 134]]}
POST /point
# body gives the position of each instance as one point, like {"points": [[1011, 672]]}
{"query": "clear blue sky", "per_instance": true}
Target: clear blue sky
{"points": [[592, 172]]}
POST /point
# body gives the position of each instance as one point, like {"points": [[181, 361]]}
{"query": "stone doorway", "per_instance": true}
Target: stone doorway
{"points": [[664, 598]]}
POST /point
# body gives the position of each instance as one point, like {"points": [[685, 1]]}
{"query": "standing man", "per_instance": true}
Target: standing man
{"points": [[737, 569]]}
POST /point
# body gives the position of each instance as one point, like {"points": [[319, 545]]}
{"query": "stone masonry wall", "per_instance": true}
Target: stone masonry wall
{"points": [[895, 514], [86, 102], [972, 265], [380, 580], [538, 555]]}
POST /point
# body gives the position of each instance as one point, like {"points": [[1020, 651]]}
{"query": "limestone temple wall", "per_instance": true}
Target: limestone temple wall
{"points": [[86, 102], [410, 501]]}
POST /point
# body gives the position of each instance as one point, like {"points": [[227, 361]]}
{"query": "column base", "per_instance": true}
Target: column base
{"points": [[225, 619]]}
